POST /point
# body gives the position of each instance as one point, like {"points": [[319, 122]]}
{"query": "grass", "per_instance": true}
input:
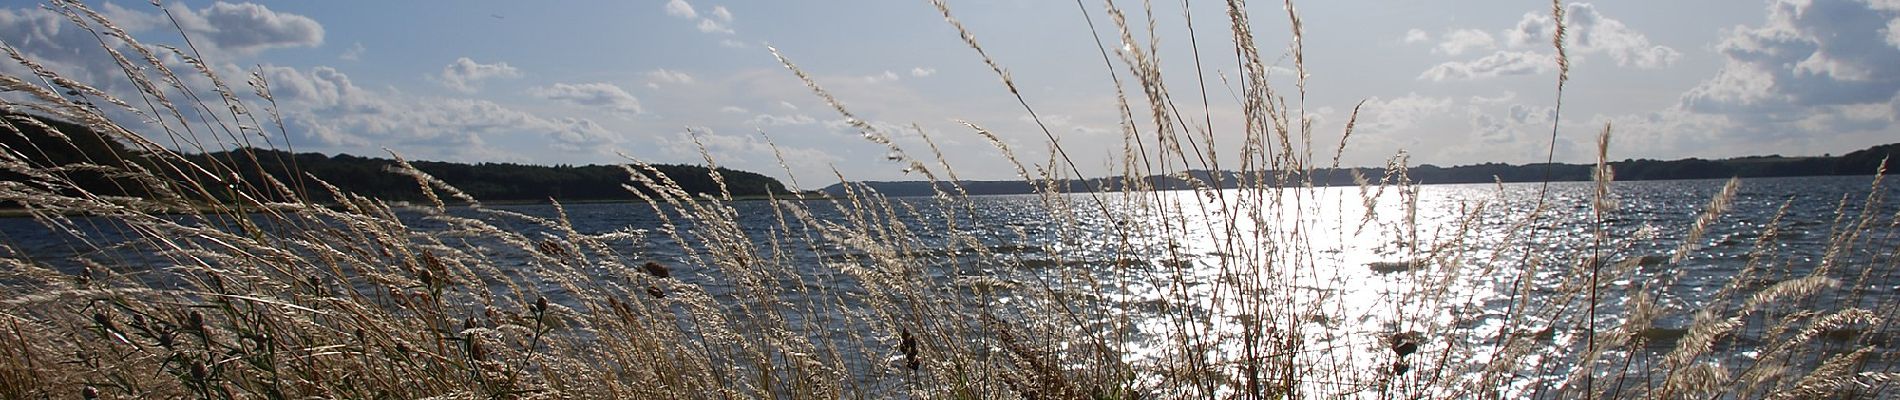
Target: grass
{"points": [[264, 294]]}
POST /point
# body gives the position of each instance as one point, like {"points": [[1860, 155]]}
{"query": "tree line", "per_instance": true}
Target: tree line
{"points": [[109, 167], [1861, 162]]}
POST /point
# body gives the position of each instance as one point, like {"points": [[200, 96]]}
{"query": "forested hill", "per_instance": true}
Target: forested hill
{"points": [[499, 181], [1862, 162], [368, 176]]}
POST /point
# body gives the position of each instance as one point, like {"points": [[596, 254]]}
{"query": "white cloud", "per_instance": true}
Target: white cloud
{"points": [[247, 28], [222, 31], [734, 110], [1534, 29], [322, 90], [787, 105], [325, 111], [1490, 129], [845, 126], [1590, 32], [1502, 98], [679, 8], [886, 76], [1462, 40], [719, 20], [710, 26], [1810, 64], [733, 43], [922, 72], [1893, 33], [746, 147], [135, 20], [354, 53], [320, 87], [668, 76], [1522, 131], [465, 75], [1813, 76], [1527, 114], [578, 135], [1739, 86], [597, 94], [781, 120], [1395, 115], [1503, 63], [46, 37], [1064, 123], [1416, 35]]}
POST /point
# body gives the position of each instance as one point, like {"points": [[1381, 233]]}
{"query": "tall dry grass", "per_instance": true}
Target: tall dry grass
{"points": [[259, 291]]}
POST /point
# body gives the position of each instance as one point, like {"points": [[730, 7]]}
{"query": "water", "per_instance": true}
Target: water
{"points": [[1342, 271]]}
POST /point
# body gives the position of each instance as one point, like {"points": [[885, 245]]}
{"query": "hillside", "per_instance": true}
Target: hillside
{"points": [[368, 176]]}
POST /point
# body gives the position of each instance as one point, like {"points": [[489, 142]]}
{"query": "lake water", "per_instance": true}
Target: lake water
{"points": [[1342, 270]]}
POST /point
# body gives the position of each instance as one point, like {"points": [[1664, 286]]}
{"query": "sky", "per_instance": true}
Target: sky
{"points": [[582, 82]]}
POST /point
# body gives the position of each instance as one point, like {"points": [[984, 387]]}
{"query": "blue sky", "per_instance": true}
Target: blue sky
{"points": [[1448, 82]]}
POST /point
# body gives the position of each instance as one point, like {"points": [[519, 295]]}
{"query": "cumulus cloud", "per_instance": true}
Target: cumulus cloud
{"points": [[1416, 35], [781, 120], [710, 26], [597, 94], [734, 110], [323, 109], [465, 75], [221, 31], [886, 76], [681, 9], [1893, 32], [322, 90], [922, 72], [326, 111], [1526, 114], [1590, 32], [845, 126], [578, 134], [1513, 126], [1462, 40], [1806, 55], [320, 87], [1813, 76], [354, 53], [249, 28], [744, 147], [1503, 63], [716, 21], [1066, 123], [667, 76], [1392, 115], [1501, 98], [46, 37], [1490, 129], [1811, 69]]}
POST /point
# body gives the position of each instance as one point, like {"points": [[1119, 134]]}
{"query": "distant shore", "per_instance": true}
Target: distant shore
{"points": [[1863, 162]]}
